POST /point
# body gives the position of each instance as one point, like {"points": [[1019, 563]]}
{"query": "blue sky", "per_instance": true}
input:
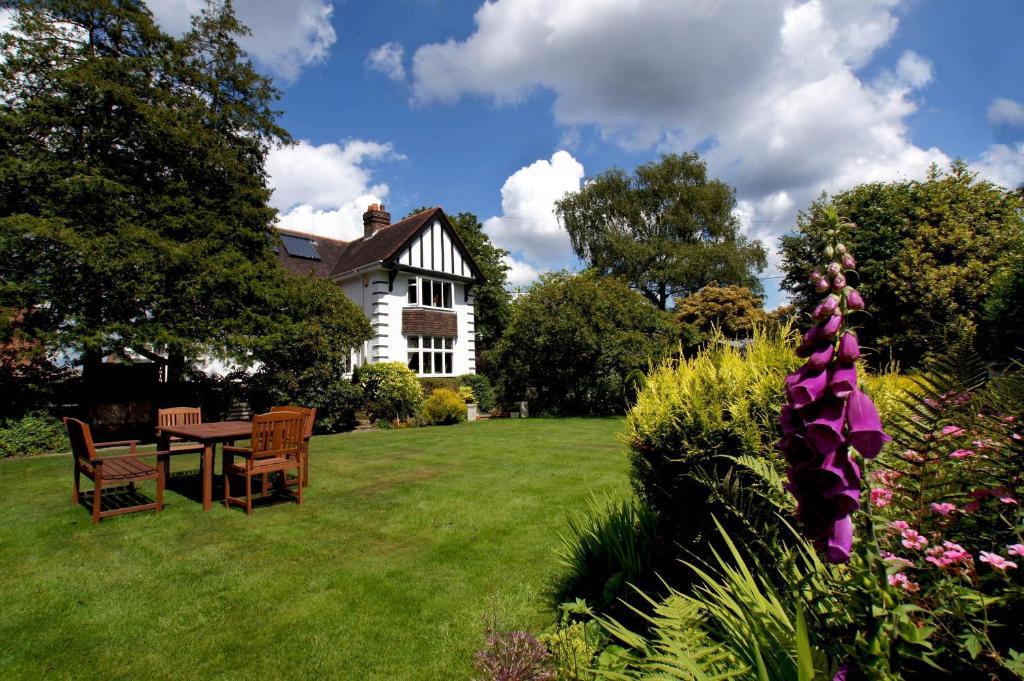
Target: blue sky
{"points": [[498, 109]]}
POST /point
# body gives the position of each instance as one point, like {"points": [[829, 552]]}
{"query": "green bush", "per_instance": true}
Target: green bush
{"points": [[693, 415], [605, 548], [483, 393], [32, 434], [390, 390], [430, 384], [444, 407], [573, 342]]}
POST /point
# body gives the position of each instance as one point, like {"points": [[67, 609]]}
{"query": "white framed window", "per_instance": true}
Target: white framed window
{"points": [[431, 355], [430, 292]]}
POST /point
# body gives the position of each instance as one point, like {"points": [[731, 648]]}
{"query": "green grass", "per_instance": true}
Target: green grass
{"points": [[407, 542]]}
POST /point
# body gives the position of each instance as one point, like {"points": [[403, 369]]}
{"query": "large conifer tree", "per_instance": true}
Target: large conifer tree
{"points": [[133, 197]]}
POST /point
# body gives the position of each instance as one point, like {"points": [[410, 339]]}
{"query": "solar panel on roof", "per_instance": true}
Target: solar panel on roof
{"points": [[300, 247]]}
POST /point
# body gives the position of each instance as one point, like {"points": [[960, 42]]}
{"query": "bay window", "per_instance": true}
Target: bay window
{"points": [[431, 355]]}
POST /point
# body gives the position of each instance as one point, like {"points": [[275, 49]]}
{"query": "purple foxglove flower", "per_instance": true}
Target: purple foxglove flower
{"points": [[865, 432], [830, 327], [840, 249], [815, 276], [839, 544], [849, 349], [825, 429], [839, 283], [833, 268], [790, 421], [843, 380], [809, 388], [842, 672], [854, 300], [848, 262], [821, 355], [821, 285]]}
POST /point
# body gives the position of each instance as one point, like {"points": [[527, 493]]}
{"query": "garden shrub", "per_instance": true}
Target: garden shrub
{"points": [[606, 547], [514, 656], [390, 390], [693, 414], [33, 433], [444, 407], [573, 341], [430, 384], [483, 392]]}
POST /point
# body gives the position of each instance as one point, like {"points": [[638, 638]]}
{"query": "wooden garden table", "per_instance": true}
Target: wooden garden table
{"points": [[207, 434]]}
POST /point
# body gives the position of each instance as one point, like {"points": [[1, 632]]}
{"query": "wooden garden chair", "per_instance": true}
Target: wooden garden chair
{"points": [[179, 416], [309, 414], [274, 447], [112, 470]]}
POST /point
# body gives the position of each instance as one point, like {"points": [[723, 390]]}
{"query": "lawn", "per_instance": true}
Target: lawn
{"points": [[408, 541]]}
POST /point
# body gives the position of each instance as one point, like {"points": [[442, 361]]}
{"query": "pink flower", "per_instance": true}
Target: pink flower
{"points": [[1016, 436], [881, 497], [952, 430], [899, 525], [961, 454], [996, 561], [1008, 500], [913, 539], [900, 579], [943, 509], [984, 444], [1015, 550], [896, 560]]}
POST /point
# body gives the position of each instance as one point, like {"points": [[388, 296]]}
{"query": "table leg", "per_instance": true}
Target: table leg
{"points": [[163, 444], [207, 475]]}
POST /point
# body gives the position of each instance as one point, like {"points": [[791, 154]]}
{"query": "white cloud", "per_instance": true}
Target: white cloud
{"points": [[527, 226], [6, 20], [520, 273], [1004, 111], [387, 59], [286, 36], [772, 88], [1003, 164], [325, 189]]}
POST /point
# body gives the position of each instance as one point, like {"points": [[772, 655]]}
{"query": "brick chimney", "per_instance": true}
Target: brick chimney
{"points": [[374, 219]]}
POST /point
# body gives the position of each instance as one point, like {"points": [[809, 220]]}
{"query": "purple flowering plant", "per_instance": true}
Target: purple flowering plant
{"points": [[829, 425]]}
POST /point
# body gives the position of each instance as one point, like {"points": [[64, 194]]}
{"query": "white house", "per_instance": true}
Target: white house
{"points": [[414, 281]]}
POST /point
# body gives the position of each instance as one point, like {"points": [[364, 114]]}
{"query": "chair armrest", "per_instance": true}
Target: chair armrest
{"points": [[231, 449], [117, 443]]}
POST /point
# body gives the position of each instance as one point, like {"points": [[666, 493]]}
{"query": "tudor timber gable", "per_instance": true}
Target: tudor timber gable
{"points": [[414, 281]]}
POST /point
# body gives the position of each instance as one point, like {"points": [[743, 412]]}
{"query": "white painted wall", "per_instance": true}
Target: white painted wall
{"points": [[384, 310]]}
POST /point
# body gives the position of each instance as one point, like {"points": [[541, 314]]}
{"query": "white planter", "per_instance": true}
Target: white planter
{"points": [[471, 412]]}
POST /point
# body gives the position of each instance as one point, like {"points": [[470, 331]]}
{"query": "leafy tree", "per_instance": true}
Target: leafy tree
{"points": [[575, 344], [667, 230], [927, 252], [733, 309], [492, 301], [1004, 310], [133, 195]]}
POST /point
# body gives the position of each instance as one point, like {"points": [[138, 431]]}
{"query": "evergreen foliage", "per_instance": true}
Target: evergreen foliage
{"points": [[928, 253], [574, 341], [133, 191]]}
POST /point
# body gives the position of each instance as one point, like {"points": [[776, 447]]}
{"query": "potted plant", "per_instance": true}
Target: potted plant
{"points": [[466, 393]]}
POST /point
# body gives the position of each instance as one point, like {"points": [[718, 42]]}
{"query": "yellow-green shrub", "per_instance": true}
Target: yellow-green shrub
{"points": [[443, 407], [692, 412]]}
